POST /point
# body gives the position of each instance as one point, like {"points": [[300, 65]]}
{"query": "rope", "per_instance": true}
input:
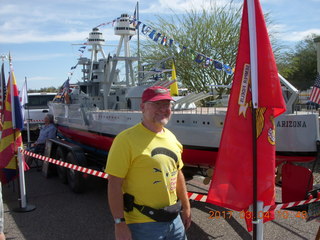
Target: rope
{"points": [[192, 196]]}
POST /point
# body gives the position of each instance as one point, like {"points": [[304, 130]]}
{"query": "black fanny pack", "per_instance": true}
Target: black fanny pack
{"points": [[165, 214]]}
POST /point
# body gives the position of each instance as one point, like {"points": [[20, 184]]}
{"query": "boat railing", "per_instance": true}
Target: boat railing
{"points": [[306, 109], [201, 110], [298, 109], [197, 110]]}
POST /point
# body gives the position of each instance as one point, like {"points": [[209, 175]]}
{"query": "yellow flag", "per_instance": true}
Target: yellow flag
{"points": [[174, 86]]}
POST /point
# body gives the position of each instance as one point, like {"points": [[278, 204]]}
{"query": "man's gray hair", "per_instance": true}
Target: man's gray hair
{"points": [[50, 117]]}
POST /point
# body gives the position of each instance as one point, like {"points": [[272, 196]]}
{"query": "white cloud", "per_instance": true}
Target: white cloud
{"points": [[39, 57], [22, 22], [40, 78], [298, 35], [277, 28], [36, 36], [30, 36], [181, 6]]}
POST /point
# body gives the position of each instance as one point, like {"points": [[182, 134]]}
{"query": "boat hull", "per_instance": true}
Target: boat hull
{"points": [[198, 131]]}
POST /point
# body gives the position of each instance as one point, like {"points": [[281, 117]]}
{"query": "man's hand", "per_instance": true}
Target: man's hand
{"points": [[115, 196], [182, 195], [122, 231], [186, 217], [2, 236]]}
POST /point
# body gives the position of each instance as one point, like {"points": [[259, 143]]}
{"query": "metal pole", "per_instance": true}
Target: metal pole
{"points": [[257, 207], [24, 207], [23, 200], [257, 223], [253, 51], [28, 119], [260, 220], [254, 173]]}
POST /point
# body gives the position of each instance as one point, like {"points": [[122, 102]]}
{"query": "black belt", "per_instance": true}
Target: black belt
{"points": [[165, 214]]}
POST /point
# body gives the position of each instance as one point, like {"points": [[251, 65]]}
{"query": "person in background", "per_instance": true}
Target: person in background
{"points": [[48, 131], [146, 187], [2, 236]]}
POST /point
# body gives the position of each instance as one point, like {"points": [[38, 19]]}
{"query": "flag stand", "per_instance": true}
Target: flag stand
{"points": [[24, 207], [257, 221]]}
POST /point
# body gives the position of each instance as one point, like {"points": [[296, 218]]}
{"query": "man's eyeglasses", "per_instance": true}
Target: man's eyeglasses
{"points": [[162, 104]]}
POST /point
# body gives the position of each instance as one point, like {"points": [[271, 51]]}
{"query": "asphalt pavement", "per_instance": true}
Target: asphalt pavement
{"points": [[61, 214]]}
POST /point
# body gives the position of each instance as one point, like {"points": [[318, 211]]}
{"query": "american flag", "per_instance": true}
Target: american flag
{"points": [[63, 93], [315, 93]]}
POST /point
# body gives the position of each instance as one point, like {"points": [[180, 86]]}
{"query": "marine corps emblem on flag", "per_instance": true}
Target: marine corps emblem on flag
{"points": [[272, 132], [261, 123]]}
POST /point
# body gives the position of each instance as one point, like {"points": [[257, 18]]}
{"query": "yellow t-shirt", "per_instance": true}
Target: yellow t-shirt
{"points": [[149, 163]]}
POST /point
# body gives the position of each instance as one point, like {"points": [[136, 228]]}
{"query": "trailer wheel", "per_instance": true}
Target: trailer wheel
{"points": [[75, 178], [62, 171]]}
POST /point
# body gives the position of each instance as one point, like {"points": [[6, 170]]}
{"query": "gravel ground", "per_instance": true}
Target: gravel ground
{"points": [[63, 215]]}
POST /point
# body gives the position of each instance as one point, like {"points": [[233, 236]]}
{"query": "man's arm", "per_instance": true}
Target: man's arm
{"points": [[182, 195], [115, 198]]}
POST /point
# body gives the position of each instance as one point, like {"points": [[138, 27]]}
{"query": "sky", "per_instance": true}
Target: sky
{"points": [[40, 35]]}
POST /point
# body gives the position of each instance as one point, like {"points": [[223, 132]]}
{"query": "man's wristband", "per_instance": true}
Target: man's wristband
{"points": [[119, 220]]}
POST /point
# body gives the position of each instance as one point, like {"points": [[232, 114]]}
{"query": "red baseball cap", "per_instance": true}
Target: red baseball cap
{"points": [[156, 93]]}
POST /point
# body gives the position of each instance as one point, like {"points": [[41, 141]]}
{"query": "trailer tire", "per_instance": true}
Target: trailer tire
{"points": [[75, 178], [62, 171]]}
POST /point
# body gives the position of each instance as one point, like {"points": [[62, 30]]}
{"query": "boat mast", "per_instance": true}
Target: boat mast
{"points": [[99, 75], [94, 69], [125, 29], [96, 41]]}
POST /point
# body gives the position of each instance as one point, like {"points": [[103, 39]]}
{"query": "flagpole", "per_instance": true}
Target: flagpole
{"points": [[253, 51], [28, 123], [257, 223]]}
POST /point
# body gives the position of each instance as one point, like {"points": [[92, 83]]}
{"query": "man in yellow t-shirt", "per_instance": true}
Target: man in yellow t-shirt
{"points": [[145, 162]]}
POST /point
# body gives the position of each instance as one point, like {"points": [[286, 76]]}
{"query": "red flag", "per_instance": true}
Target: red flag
{"points": [[232, 182], [11, 136]]}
